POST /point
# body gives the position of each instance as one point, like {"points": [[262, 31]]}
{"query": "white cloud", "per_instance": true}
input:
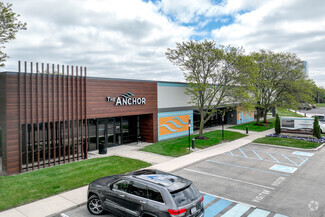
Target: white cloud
{"points": [[185, 11], [124, 39], [282, 26], [128, 38]]}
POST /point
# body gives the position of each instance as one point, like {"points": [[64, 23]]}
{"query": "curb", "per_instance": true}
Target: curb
{"points": [[70, 208]]}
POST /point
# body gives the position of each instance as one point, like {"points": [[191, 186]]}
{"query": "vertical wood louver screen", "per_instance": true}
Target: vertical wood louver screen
{"points": [[52, 115]]}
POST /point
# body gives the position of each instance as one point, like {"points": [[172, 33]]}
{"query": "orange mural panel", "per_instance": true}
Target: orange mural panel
{"points": [[173, 124]]}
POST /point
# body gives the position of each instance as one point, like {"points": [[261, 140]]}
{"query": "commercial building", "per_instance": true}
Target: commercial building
{"points": [[54, 116]]}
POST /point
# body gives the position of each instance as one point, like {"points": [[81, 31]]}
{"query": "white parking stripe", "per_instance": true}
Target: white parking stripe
{"points": [[235, 180], [234, 201]]}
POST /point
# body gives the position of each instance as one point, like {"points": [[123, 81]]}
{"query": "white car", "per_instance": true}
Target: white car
{"points": [[322, 126], [321, 119]]}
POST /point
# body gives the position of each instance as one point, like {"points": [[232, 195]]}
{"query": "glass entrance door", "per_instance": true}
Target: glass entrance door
{"points": [[110, 134], [115, 131]]}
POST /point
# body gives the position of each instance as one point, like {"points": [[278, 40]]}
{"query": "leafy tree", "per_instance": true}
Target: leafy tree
{"points": [[319, 95], [277, 125], [280, 81], [215, 75], [317, 131], [9, 26]]}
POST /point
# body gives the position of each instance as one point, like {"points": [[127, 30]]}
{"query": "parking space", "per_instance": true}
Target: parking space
{"points": [[216, 206], [252, 175]]}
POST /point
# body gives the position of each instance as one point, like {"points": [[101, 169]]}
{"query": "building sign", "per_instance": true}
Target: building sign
{"points": [[127, 99], [297, 125]]}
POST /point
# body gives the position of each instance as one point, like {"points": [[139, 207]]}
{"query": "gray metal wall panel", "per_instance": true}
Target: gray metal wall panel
{"points": [[172, 97]]}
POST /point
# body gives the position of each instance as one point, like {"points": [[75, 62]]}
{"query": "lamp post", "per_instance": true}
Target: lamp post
{"points": [[222, 120], [189, 134]]}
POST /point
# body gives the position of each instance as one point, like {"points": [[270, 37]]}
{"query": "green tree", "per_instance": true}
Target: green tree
{"points": [[316, 131], [9, 26], [216, 75], [320, 95], [280, 81], [277, 125]]}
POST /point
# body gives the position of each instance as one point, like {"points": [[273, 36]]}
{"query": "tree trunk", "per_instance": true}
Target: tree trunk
{"points": [[258, 115], [201, 130], [265, 115], [201, 127]]}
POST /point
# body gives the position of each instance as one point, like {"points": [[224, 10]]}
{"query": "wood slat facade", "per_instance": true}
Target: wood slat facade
{"points": [[45, 110]]}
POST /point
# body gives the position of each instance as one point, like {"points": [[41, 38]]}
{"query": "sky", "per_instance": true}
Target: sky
{"points": [[128, 38]]}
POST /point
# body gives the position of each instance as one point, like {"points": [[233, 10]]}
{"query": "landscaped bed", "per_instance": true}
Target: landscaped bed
{"points": [[291, 141], [178, 147], [27, 187]]}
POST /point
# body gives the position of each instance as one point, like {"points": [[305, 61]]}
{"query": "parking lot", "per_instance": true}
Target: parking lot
{"points": [[260, 181], [257, 181]]}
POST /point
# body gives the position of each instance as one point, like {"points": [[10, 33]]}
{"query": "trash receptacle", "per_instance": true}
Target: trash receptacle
{"points": [[193, 143], [102, 149]]}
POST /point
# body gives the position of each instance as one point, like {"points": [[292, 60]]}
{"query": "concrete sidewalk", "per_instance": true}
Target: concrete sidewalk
{"points": [[56, 204]]}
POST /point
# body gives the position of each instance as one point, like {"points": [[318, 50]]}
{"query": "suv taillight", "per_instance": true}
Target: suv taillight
{"points": [[176, 212], [202, 199]]}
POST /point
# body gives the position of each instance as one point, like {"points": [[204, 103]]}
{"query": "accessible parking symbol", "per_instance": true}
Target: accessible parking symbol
{"points": [[285, 169]]}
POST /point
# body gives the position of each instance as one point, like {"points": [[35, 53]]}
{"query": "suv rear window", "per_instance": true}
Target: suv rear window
{"points": [[185, 196]]}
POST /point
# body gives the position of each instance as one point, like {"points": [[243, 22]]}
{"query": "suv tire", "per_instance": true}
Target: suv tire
{"points": [[94, 205]]}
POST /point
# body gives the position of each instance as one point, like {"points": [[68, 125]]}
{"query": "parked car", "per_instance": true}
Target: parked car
{"points": [[322, 126], [145, 193], [321, 119], [305, 106]]}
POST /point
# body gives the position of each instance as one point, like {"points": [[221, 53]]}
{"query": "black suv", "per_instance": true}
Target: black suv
{"points": [[145, 193]]}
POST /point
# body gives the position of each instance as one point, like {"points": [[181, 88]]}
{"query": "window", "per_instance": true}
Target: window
{"points": [[186, 195], [137, 189], [121, 185], [155, 195]]}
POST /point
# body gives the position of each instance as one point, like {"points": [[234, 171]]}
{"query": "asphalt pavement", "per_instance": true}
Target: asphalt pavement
{"points": [[255, 180], [236, 177]]}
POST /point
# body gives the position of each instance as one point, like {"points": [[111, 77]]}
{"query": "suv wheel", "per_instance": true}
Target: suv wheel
{"points": [[94, 205]]}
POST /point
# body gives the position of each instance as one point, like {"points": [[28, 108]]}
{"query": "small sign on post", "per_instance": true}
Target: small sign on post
{"points": [[189, 135]]}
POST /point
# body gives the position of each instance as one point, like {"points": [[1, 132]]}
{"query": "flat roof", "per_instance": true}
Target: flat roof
{"points": [[118, 79]]}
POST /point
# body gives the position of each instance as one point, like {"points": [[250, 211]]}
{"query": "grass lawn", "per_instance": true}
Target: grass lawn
{"points": [[287, 142], [178, 147], [320, 105], [27, 187], [285, 112], [253, 127]]}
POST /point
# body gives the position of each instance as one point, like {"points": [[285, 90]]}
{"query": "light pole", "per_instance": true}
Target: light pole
{"points": [[223, 135], [189, 135]]}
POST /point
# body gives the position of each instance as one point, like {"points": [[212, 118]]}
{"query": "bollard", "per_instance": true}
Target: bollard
{"points": [[193, 143], [246, 129]]}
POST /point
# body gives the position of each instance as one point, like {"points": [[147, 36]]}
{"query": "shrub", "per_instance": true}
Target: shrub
{"points": [[317, 131], [277, 125]]}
